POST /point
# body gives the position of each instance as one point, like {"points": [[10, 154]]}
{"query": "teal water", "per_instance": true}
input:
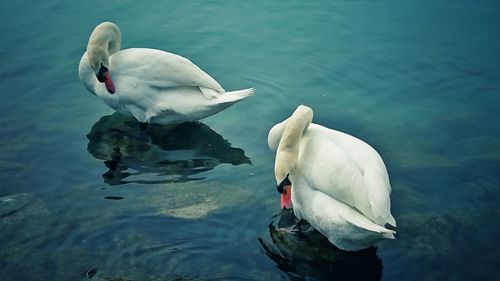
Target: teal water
{"points": [[418, 80]]}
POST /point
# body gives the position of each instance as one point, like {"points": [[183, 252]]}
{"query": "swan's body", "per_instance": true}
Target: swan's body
{"points": [[152, 85], [340, 183]]}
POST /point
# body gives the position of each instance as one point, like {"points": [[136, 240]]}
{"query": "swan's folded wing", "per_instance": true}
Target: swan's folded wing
{"points": [[344, 226], [160, 69], [332, 172], [360, 223], [331, 167], [366, 192]]}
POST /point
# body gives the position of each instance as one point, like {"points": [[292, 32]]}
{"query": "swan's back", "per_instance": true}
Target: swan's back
{"points": [[160, 69], [348, 170]]}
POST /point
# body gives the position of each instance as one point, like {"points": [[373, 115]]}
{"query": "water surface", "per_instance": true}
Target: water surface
{"points": [[418, 80]]}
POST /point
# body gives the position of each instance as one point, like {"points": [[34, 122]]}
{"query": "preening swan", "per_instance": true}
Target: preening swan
{"points": [[152, 85], [340, 183]]}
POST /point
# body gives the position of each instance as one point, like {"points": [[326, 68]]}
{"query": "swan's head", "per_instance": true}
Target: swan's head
{"points": [[99, 62], [284, 187], [283, 167], [288, 135]]}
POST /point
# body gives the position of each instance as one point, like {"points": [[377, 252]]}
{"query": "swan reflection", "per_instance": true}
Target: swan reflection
{"points": [[171, 154], [308, 254]]}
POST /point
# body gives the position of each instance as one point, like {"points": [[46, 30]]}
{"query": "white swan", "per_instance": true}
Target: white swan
{"points": [[152, 85], [340, 183]]}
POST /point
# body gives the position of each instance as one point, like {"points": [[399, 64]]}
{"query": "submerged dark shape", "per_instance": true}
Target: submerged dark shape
{"points": [[12, 203], [90, 271], [173, 154], [308, 255], [114, 197]]}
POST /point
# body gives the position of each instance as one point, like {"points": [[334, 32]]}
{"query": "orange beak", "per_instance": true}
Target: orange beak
{"points": [[110, 86], [286, 197]]}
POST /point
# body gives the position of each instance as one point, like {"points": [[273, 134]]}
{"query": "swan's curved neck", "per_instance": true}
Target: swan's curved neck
{"points": [[104, 41], [288, 149]]}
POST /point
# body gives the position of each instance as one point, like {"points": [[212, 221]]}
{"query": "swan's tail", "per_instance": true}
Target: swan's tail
{"points": [[389, 234], [391, 220], [235, 96]]}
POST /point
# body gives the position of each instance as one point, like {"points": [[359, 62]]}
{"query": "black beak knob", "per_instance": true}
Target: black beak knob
{"points": [[283, 183], [100, 75]]}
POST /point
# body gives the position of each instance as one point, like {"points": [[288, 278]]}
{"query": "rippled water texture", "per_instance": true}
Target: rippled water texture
{"points": [[85, 194]]}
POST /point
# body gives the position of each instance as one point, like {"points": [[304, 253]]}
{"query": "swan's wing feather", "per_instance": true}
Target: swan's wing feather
{"points": [[160, 69], [329, 168], [344, 226], [334, 168], [359, 224]]}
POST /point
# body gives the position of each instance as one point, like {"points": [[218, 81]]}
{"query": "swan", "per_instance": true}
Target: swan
{"points": [[340, 183], [152, 85]]}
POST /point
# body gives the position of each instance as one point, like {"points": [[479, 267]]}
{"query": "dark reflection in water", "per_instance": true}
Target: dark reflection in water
{"points": [[308, 255], [172, 154]]}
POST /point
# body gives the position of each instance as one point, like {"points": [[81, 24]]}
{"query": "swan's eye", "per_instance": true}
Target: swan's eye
{"points": [[284, 183], [100, 75]]}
